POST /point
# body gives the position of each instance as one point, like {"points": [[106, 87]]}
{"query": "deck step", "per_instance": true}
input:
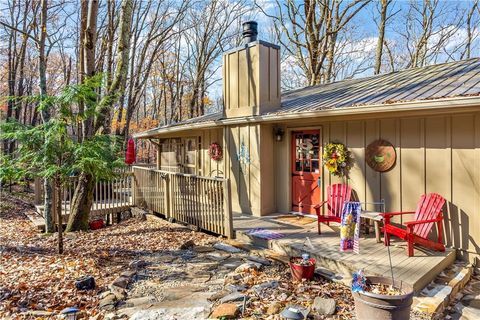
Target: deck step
{"points": [[434, 298], [418, 271]]}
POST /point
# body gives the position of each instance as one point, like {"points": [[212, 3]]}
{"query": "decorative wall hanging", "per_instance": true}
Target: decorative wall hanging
{"points": [[215, 151], [243, 157], [337, 159], [380, 155]]}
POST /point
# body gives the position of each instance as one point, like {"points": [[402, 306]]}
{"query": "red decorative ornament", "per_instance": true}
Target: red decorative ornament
{"points": [[215, 151], [130, 154]]}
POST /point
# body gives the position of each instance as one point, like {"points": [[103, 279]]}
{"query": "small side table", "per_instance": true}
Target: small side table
{"points": [[377, 218]]}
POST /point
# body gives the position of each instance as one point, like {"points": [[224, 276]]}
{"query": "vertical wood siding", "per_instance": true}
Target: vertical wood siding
{"points": [[434, 154]]}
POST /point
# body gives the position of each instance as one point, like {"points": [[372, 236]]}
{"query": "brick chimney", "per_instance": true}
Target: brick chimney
{"points": [[251, 76]]}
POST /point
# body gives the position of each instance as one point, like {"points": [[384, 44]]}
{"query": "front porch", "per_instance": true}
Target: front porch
{"points": [[290, 239]]}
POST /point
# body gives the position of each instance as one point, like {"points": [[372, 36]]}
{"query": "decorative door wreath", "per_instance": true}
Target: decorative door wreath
{"points": [[380, 155], [337, 159], [215, 151]]}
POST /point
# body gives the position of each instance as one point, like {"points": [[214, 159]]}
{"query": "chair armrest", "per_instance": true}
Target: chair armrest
{"points": [[412, 223], [318, 206], [395, 213]]}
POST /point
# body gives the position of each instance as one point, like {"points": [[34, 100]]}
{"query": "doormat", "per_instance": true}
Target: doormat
{"points": [[298, 220], [264, 234]]}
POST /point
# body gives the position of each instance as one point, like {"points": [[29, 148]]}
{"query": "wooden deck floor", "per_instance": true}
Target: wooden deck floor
{"points": [[417, 271], [99, 209]]}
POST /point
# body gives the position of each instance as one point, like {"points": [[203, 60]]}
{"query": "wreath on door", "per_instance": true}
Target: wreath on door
{"points": [[215, 151], [337, 159]]}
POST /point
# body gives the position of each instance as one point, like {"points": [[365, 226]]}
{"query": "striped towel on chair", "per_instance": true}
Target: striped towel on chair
{"points": [[350, 227]]}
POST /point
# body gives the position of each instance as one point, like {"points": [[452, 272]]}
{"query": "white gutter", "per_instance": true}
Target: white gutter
{"points": [[435, 104]]}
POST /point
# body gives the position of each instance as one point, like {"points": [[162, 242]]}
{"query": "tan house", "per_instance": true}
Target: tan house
{"points": [[272, 142]]}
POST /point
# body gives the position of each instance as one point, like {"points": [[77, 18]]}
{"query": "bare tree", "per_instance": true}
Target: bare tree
{"points": [[381, 34], [308, 31], [213, 31]]}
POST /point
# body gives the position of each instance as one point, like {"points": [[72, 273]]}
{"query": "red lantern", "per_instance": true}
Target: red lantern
{"points": [[130, 155]]}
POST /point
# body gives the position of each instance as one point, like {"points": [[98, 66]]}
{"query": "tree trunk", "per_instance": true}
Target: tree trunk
{"points": [[81, 203], [117, 87], [48, 205], [89, 43], [83, 196], [58, 209], [45, 112], [381, 35]]}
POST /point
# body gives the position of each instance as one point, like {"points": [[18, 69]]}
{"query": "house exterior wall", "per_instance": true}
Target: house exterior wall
{"points": [[251, 76], [205, 165], [248, 166], [435, 153]]}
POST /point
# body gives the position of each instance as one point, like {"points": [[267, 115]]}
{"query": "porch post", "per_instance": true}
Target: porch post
{"points": [[227, 209], [168, 194]]}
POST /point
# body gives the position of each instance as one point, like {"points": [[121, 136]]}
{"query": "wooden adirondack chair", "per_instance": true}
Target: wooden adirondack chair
{"points": [[337, 195], [428, 212]]}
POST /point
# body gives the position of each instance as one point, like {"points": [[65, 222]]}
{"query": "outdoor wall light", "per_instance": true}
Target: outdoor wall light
{"points": [[294, 312], [278, 131], [70, 313]]}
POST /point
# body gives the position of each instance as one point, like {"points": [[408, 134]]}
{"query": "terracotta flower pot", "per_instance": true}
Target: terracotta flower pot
{"points": [[97, 224], [300, 271]]}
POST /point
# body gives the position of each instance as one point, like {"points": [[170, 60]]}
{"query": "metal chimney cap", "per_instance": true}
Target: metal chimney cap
{"points": [[250, 31]]}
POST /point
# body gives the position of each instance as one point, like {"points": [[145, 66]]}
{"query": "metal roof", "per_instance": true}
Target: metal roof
{"points": [[210, 118], [460, 78], [441, 81]]}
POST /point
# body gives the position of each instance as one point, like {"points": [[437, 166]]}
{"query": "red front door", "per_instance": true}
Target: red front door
{"points": [[305, 170]]}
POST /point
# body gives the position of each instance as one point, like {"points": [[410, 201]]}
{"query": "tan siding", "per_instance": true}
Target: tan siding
{"points": [[372, 177], [437, 153], [412, 164], [355, 140], [390, 182]]}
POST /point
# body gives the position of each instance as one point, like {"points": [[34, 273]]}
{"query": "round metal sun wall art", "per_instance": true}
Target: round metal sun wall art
{"points": [[380, 155]]}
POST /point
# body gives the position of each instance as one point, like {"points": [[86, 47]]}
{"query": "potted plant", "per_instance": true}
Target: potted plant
{"points": [[381, 298], [302, 267]]}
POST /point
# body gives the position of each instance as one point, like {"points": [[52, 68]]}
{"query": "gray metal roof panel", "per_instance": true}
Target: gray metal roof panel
{"points": [[460, 78]]}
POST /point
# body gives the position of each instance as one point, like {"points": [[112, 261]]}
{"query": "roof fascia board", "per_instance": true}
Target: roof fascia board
{"points": [[421, 105]]}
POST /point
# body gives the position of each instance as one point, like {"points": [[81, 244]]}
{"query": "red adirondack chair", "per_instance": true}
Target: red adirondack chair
{"points": [[337, 195], [428, 212]]}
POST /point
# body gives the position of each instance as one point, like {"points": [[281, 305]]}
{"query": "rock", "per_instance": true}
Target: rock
{"points": [[121, 282], [203, 249], [226, 247], [225, 311], [259, 259], [247, 266], [85, 283], [104, 294], [138, 213], [135, 302], [217, 256], [235, 296], [120, 293], [165, 259], [236, 288], [324, 306], [187, 245], [108, 302], [128, 274], [274, 308], [137, 264], [272, 284], [218, 295]]}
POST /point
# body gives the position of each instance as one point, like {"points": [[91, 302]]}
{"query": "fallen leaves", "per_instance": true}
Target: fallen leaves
{"points": [[34, 277]]}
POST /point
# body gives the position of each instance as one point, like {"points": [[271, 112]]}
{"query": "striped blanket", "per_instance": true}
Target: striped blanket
{"points": [[350, 227]]}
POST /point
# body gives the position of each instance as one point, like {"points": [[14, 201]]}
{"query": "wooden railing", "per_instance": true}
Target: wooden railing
{"points": [[109, 196], [200, 201]]}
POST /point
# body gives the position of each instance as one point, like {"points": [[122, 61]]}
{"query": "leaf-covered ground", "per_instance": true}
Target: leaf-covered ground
{"points": [[34, 277]]}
